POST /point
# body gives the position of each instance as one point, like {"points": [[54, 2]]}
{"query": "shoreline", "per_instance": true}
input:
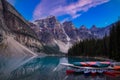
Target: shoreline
{"points": [[99, 58]]}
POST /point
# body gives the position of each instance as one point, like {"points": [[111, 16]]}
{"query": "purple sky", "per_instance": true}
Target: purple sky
{"points": [[62, 7], [87, 12]]}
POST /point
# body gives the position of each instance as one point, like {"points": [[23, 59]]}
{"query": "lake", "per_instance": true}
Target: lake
{"points": [[49, 68]]}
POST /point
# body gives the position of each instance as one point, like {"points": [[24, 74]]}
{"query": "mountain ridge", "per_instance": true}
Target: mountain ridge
{"points": [[47, 31], [50, 30]]}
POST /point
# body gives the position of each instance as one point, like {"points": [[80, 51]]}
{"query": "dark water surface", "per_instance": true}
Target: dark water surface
{"points": [[49, 68]]}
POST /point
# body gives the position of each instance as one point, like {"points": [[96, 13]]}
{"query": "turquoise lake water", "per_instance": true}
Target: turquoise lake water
{"points": [[50, 68]]}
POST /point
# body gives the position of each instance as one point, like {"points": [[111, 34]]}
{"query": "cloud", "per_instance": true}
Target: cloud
{"points": [[61, 7], [12, 2], [65, 19]]}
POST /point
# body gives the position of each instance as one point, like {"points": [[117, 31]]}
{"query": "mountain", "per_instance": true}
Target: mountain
{"points": [[51, 32], [18, 41], [44, 32], [21, 40], [100, 32], [85, 33], [70, 31], [13, 24], [51, 29]]}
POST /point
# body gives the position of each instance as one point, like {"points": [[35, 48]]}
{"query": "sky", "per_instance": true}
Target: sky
{"points": [[81, 12]]}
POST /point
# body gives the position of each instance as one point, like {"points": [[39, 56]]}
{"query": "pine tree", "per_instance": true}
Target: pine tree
{"points": [[109, 46]]}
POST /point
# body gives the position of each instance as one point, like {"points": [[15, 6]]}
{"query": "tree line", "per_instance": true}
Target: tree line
{"points": [[108, 47]]}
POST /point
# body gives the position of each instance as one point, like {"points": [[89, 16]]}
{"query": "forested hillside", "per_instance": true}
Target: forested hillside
{"points": [[109, 46]]}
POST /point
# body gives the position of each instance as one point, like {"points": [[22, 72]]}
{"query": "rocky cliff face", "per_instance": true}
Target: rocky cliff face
{"points": [[71, 31], [50, 31], [85, 33], [100, 32], [18, 41], [12, 23]]}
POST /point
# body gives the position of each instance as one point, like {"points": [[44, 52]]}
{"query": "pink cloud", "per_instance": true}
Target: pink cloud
{"points": [[60, 7]]}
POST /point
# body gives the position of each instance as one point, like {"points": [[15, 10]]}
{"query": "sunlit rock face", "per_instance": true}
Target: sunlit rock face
{"points": [[51, 32], [50, 29], [13, 24], [71, 31], [18, 41]]}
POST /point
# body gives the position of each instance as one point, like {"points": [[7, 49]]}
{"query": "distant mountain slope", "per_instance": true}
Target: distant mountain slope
{"points": [[50, 30]]}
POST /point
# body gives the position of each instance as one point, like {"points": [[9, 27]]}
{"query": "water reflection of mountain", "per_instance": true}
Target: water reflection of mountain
{"points": [[39, 66], [49, 68]]}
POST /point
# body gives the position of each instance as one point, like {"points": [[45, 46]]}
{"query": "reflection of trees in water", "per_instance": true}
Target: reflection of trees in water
{"points": [[72, 59], [78, 59], [43, 69]]}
